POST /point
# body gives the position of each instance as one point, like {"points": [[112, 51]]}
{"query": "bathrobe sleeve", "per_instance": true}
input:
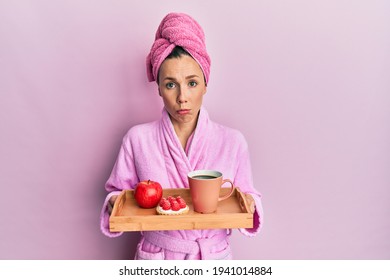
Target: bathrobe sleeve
{"points": [[123, 176], [244, 181]]}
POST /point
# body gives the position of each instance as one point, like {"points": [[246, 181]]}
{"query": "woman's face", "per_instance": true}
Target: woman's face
{"points": [[182, 86]]}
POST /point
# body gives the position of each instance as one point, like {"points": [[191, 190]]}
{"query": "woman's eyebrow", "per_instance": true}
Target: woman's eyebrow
{"points": [[192, 76], [169, 78], [187, 78]]}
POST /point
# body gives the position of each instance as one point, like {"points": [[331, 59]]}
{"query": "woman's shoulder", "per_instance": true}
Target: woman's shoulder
{"points": [[229, 134], [221, 128], [141, 131]]}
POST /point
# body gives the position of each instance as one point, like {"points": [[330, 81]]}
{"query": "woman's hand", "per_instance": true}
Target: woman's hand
{"points": [[111, 203]]}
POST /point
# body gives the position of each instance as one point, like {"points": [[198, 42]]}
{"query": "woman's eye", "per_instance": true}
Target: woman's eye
{"points": [[192, 84], [170, 85]]}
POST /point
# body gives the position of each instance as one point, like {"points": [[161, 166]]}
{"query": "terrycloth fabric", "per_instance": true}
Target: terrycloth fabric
{"points": [[153, 151], [178, 29], [215, 247]]}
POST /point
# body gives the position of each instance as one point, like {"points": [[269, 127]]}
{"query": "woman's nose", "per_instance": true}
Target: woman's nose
{"points": [[181, 98]]}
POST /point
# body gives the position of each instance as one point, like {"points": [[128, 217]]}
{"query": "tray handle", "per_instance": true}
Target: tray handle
{"points": [[251, 203], [246, 202], [119, 202]]}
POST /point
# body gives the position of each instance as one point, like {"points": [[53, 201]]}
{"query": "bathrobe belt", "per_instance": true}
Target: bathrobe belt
{"points": [[190, 247]]}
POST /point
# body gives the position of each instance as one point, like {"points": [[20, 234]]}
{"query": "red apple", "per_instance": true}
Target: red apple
{"points": [[148, 194]]}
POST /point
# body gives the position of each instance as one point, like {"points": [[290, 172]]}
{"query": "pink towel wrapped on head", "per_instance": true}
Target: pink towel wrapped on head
{"points": [[178, 29]]}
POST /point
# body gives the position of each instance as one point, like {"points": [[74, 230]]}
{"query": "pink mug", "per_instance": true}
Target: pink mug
{"points": [[205, 186]]}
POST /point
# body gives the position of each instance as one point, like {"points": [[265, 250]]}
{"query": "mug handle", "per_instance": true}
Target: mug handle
{"points": [[231, 190]]}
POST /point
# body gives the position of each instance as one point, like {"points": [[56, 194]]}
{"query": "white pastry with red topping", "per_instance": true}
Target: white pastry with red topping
{"points": [[172, 206]]}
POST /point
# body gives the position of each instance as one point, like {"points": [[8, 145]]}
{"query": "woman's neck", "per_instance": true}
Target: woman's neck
{"points": [[184, 131]]}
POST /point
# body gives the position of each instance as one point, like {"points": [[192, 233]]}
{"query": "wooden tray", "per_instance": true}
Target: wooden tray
{"points": [[234, 212]]}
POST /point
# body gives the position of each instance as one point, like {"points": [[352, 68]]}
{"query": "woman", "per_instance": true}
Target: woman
{"points": [[183, 140]]}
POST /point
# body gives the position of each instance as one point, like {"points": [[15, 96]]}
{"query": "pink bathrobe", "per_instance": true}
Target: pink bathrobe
{"points": [[153, 151]]}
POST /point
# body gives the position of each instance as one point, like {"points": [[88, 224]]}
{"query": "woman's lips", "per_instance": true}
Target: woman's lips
{"points": [[183, 111]]}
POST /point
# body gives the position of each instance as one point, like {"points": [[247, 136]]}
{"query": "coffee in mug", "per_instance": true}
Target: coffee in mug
{"points": [[203, 177], [205, 186]]}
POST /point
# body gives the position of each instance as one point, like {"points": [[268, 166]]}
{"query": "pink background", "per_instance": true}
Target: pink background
{"points": [[307, 82]]}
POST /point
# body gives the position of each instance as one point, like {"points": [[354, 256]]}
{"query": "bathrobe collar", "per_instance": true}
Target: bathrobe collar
{"points": [[196, 146]]}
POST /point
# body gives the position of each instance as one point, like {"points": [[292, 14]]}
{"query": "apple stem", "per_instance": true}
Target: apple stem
{"points": [[148, 182]]}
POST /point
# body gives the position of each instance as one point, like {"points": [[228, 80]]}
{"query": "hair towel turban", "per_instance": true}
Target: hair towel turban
{"points": [[178, 29]]}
